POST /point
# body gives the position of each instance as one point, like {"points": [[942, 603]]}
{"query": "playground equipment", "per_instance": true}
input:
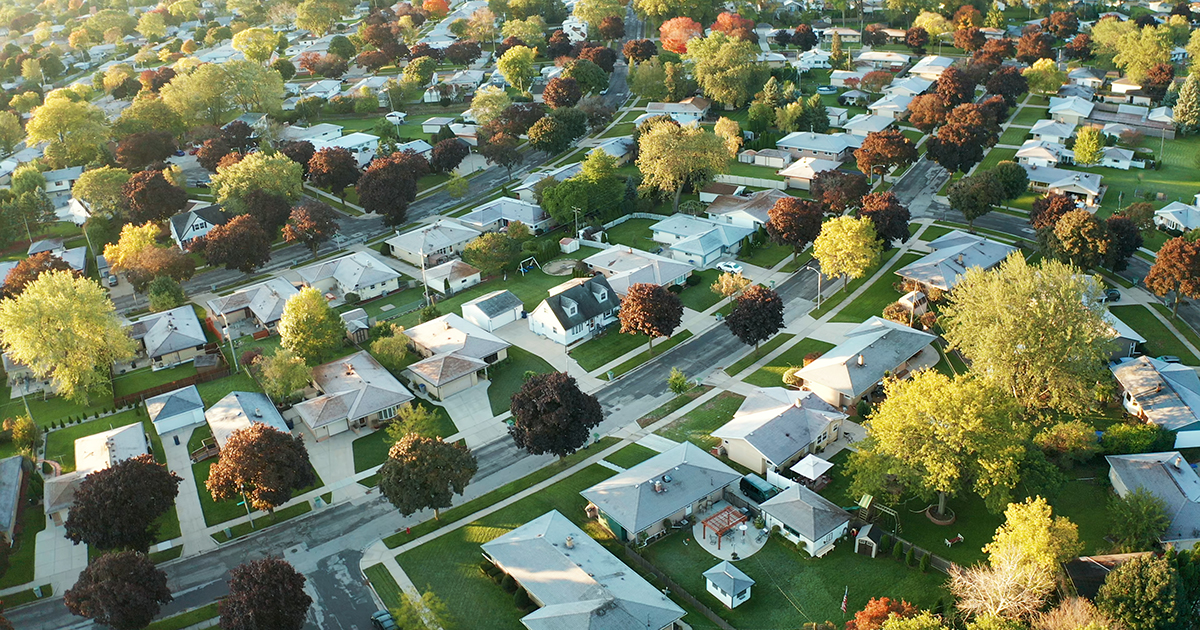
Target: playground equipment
{"points": [[528, 265]]}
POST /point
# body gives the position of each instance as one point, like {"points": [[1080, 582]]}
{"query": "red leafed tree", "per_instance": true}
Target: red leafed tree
{"points": [[124, 591], [1035, 45], [602, 56], [675, 33], [927, 112], [804, 38], [29, 269], [139, 150], [437, 9], [962, 141], [757, 315], [969, 39], [881, 150], [562, 92], [334, 168], [876, 80], [1049, 209], [552, 415], [794, 222], [231, 158], [639, 50], [115, 508], [916, 38], [390, 184], [240, 244], [448, 154], [211, 152], [889, 216], [1062, 24], [877, 611], [1007, 83], [270, 209], [267, 593], [311, 223], [262, 463], [955, 87], [150, 197], [967, 16], [612, 27], [838, 190], [1080, 47], [298, 151], [651, 310], [1176, 269], [735, 25], [372, 60]]}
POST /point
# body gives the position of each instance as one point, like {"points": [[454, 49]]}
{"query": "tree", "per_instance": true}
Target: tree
{"points": [[501, 149], [312, 223], [1044, 77], [998, 320], [423, 473], [916, 38], [309, 327], [970, 437], [1048, 210], [257, 44], [1081, 239], [888, 215], [1068, 443], [102, 189], [969, 39], [878, 611], [1125, 239], [562, 92], [927, 112], [334, 168], [675, 33], [115, 508], [804, 38], [1062, 24], [757, 316], [134, 240], [876, 80], [1009, 590], [1089, 146], [150, 197], [961, 142], [923, 621], [516, 66], [29, 269], [552, 415], [1141, 49], [651, 310], [1176, 269], [448, 154], [1031, 534], [1158, 79], [838, 190], [124, 591], [165, 293], [955, 87], [1012, 178], [1079, 48], [725, 68], [318, 16], [1142, 593], [1035, 45], [491, 253], [795, 222], [670, 156], [212, 153], [884, 150], [1009, 83], [730, 284], [283, 374], [488, 103], [390, 184], [974, 196], [89, 336], [1137, 521], [639, 50], [847, 247], [838, 58], [591, 77], [391, 351], [11, 132], [263, 464], [274, 173], [265, 593], [1187, 106], [74, 130], [270, 210], [595, 11], [240, 244]]}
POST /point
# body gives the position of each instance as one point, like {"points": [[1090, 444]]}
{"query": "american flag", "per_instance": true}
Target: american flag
{"points": [[844, 596]]}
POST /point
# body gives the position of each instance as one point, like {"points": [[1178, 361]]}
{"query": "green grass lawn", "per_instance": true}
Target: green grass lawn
{"points": [[400, 301], [508, 376], [1180, 325], [1176, 179], [449, 565], [763, 350], [631, 456], [877, 296], [673, 405], [60, 443], [611, 345], [701, 297], [619, 130], [995, 157], [265, 521], [633, 233], [662, 346], [52, 409], [371, 450], [1159, 339], [385, 585], [145, 378], [187, 619], [1027, 116], [215, 512], [831, 301], [696, 426], [741, 169], [766, 256], [20, 558], [771, 375], [1014, 136], [934, 232], [213, 391]]}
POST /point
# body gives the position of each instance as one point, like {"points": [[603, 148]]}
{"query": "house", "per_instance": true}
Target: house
{"points": [[884, 60], [62, 180], [325, 88], [1169, 477], [575, 310], [373, 86], [466, 133], [493, 310], [496, 214], [456, 353], [432, 244], [1116, 157], [1178, 216], [1083, 187], [361, 273], [856, 98], [75, 257], [748, 211], [451, 277], [728, 584], [775, 427], [864, 124], [953, 254], [931, 67], [689, 110], [174, 410], [1088, 573], [465, 81], [803, 516], [1044, 153], [362, 145], [12, 485], [837, 116], [259, 305], [670, 486], [575, 581], [1166, 394], [846, 78], [845, 374], [909, 86], [238, 410], [1053, 131], [92, 453], [170, 337], [714, 190], [354, 393], [195, 221], [1124, 339], [836, 147], [772, 158], [894, 106], [698, 241], [620, 149], [322, 132], [771, 59], [526, 190], [801, 173], [1068, 90], [625, 266], [1071, 110], [420, 147], [813, 59], [435, 124], [848, 35], [1087, 77], [1162, 115], [1124, 85]]}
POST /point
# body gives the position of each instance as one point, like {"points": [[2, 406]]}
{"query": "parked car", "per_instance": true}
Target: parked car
{"points": [[1169, 358], [826, 89], [729, 266], [112, 280], [1112, 295], [382, 620], [180, 153]]}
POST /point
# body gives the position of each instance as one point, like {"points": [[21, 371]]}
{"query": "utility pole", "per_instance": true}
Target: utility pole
{"points": [[424, 233], [576, 210]]}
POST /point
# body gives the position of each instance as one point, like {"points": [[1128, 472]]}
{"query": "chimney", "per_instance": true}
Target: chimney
{"points": [[861, 362], [658, 487], [257, 412], [570, 542], [960, 259], [1178, 462]]}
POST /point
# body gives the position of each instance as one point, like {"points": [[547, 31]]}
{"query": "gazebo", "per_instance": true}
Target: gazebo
{"points": [[723, 522], [812, 467]]}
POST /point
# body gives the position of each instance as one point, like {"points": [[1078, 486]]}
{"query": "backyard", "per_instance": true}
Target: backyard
{"points": [[633, 233], [771, 374]]}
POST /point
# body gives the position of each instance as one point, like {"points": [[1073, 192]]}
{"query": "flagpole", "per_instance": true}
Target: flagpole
{"points": [[845, 596]]}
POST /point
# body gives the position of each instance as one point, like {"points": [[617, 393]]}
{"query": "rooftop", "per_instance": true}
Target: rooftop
{"points": [[352, 272], [352, 388], [872, 348], [1168, 476], [237, 410], [954, 253], [1168, 393], [805, 511], [174, 403], [779, 422]]}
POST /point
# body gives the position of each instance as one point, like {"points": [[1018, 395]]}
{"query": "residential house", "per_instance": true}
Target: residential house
{"points": [[748, 211], [728, 584], [835, 147], [95, 452], [953, 254], [12, 486], [801, 173], [1166, 394], [1116, 157], [894, 106], [420, 147], [361, 273], [432, 244], [772, 59], [1071, 110], [259, 305], [1179, 216], [238, 410], [526, 190], [195, 221], [456, 353], [1169, 477], [670, 486], [1087, 77], [435, 124], [620, 149], [813, 59], [837, 116], [493, 310], [496, 214], [713, 190], [1084, 187], [848, 35], [174, 410], [856, 98], [362, 145], [803, 516], [690, 110], [1069, 90], [575, 582], [855, 368], [909, 86], [698, 241], [353, 393], [62, 180], [1162, 114], [321, 132], [771, 158], [625, 266], [451, 277], [1053, 131], [864, 124], [1124, 85], [775, 427], [170, 337], [839, 78], [931, 67], [325, 88], [75, 257], [576, 310], [373, 86], [466, 133], [1044, 153], [1125, 340], [884, 59]]}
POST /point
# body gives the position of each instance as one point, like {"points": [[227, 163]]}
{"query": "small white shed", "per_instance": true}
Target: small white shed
{"points": [[493, 310], [728, 584], [176, 409]]}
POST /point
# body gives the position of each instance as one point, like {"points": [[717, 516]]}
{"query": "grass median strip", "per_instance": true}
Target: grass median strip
{"points": [[187, 619], [643, 357], [264, 522], [763, 350]]}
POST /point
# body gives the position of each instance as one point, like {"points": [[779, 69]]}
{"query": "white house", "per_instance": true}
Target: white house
{"points": [[801, 172], [322, 132], [238, 410], [893, 105], [451, 277], [62, 180], [1072, 109], [837, 116], [1044, 153], [698, 241], [176, 409], [353, 393], [838, 78], [434, 124], [493, 310], [1170, 478], [433, 243], [496, 214], [865, 124], [1179, 216], [625, 266], [775, 427], [909, 86], [169, 338], [836, 147], [195, 221], [931, 67], [1087, 77], [848, 35], [689, 110], [813, 59], [361, 273], [1052, 131], [260, 304], [362, 145], [525, 190], [456, 353], [728, 584], [803, 516], [1166, 394], [92, 453], [575, 310], [953, 254], [1083, 187], [420, 147], [1116, 157], [748, 211], [884, 59]]}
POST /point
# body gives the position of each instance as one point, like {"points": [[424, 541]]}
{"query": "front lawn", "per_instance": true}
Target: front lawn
{"points": [[642, 357], [385, 585], [771, 375], [700, 297], [763, 350], [508, 376], [20, 557], [673, 405], [1014, 136], [610, 345], [1159, 339], [1030, 115], [766, 255], [216, 512], [633, 233], [372, 449], [742, 169], [631, 456], [994, 157], [696, 426], [877, 296], [830, 302]]}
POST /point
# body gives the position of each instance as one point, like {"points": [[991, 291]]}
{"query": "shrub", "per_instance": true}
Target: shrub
{"points": [[352, 298], [925, 560], [812, 356], [884, 540], [675, 288], [385, 249], [486, 567], [862, 408], [692, 280], [909, 555], [521, 599], [898, 550], [802, 549], [508, 584]]}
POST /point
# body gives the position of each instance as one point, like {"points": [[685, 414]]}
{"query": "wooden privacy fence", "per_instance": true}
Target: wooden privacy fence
{"points": [[637, 559], [137, 397]]}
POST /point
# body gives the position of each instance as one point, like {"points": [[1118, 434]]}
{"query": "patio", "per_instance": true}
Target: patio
{"points": [[741, 540]]}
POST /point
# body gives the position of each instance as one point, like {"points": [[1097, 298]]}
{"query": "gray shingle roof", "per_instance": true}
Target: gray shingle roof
{"points": [[582, 292], [497, 302], [354, 387], [237, 410], [212, 214], [10, 493], [729, 578], [806, 512], [1169, 477], [778, 432], [882, 344], [169, 331], [174, 403]]}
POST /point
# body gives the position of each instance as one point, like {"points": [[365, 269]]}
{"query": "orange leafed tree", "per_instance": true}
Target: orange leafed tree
{"points": [[676, 32], [735, 25], [877, 611], [437, 9]]}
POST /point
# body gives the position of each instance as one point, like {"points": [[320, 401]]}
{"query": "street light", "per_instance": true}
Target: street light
{"points": [[818, 272]]}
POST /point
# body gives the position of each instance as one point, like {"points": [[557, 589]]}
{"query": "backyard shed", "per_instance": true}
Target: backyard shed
{"points": [[728, 584], [868, 541]]}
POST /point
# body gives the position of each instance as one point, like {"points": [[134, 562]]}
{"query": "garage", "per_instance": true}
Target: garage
{"points": [[493, 310]]}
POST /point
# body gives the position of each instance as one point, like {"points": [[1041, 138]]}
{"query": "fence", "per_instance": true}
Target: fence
{"points": [[759, 182], [136, 397], [639, 561], [633, 215]]}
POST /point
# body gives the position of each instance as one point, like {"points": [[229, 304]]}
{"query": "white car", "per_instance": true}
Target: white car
{"points": [[729, 267]]}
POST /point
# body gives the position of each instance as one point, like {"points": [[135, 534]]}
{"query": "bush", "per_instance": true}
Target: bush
{"points": [[898, 550], [884, 541], [909, 556], [385, 249], [521, 599], [692, 280], [486, 567], [802, 549], [352, 298], [812, 356], [862, 408], [675, 288], [925, 562], [508, 584]]}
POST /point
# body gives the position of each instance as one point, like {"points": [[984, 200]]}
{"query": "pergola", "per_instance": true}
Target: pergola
{"points": [[724, 521]]}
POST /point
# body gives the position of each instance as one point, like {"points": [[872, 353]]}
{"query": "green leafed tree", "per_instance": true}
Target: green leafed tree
{"points": [[1089, 147], [273, 173], [847, 247], [1142, 594], [726, 68], [670, 156], [283, 374], [309, 328], [1137, 521]]}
